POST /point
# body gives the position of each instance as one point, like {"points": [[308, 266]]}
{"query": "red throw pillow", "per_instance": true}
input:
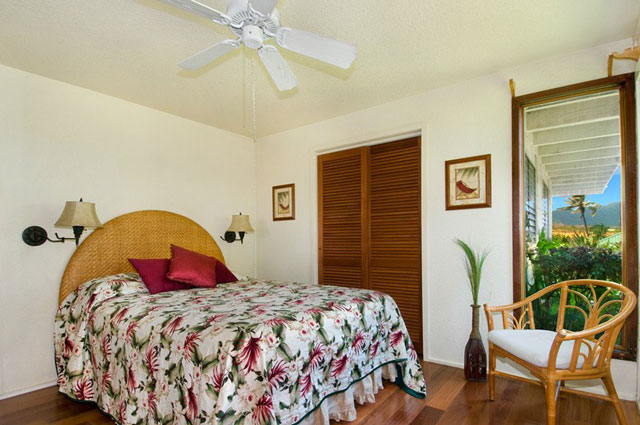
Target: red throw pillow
{"points": [[192, 267], [223, 274], [153, 272]]}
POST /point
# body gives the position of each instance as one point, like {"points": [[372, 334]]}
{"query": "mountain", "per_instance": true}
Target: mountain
{"points": [[609, 215]]}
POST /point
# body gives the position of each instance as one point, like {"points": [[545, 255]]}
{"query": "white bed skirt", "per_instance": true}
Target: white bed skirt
{"points": [[341, 407]]}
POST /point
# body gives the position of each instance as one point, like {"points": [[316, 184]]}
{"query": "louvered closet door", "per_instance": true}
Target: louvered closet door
{"points": [[395, 238], [342, 204]]}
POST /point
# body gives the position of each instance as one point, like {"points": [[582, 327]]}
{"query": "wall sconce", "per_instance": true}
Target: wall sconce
{"points": [[76, 215], [239, 223]]}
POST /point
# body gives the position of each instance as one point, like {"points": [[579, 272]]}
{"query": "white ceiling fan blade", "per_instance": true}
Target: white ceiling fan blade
{"points": [[280, 72], [316, 46], [264, 7], [208, 55], [198, 8]]}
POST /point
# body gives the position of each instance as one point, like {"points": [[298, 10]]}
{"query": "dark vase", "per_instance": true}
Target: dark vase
{"points": [[475, 358]]}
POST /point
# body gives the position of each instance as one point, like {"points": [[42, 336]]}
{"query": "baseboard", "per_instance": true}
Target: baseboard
{"points": [[27, 389], [445, 363]]}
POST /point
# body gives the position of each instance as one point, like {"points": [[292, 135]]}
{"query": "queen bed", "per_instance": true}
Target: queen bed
{"points": [[246, 352]]}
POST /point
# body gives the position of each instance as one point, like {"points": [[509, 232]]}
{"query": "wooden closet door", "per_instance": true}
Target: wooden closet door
{"points": [[342, 218], [395, 258]]}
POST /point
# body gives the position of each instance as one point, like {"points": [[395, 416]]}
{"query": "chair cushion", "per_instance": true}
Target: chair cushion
{"points": [[533, 346]]}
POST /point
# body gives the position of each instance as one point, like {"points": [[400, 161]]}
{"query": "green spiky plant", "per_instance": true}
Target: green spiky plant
{"points": [[473, 264], [475, 357]]}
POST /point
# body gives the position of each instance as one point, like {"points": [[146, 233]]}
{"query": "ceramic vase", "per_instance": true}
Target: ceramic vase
{"points": [[475, 357]]}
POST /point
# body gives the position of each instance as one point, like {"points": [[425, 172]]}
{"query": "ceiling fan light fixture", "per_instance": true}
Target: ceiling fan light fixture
{"points": [[252, 36]]}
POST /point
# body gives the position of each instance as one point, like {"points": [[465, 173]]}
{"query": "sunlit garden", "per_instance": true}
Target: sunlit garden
{"points": [[577, 251]]}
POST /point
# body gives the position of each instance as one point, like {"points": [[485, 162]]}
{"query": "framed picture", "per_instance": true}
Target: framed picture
{"points": [[284, 202], [468, 182]]}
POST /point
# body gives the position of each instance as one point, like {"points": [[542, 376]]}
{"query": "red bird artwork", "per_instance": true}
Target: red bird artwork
{"points": [[464, 188]]}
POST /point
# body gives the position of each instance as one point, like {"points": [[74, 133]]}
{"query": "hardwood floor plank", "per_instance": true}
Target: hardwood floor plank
{"points": [[463, 407], [450, 401], [511, 396], [443, 385], [29, 399], [88, 418], [396, 405], [428, 415]]}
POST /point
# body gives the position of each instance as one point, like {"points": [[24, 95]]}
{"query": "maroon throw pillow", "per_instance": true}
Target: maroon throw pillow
{"points": [[192, 267], [223, 274], [153, 272]]}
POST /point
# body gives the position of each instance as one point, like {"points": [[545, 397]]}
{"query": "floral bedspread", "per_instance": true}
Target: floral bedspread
{"points": [[249, 352]]}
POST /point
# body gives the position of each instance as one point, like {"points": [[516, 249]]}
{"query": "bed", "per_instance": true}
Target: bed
{"points": [[246, 352]]}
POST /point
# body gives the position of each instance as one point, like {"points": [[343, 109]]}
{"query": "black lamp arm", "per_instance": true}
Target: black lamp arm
{"points": [[57, 239], [77, 233], [36, 235], [230, 237]]}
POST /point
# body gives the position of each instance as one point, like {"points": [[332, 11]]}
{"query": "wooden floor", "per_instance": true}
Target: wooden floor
{"points": [[451, 401]]}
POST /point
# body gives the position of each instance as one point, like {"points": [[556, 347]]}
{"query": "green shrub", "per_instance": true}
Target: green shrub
{"points": [[581, 262], [562, 263]]}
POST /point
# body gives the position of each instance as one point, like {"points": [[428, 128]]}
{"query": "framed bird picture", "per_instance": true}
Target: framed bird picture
{"points": [[468, 182], [284, 202]]}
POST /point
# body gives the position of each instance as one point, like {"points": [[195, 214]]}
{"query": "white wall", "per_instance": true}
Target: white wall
{"points": [[469, 118], [59, 142]]}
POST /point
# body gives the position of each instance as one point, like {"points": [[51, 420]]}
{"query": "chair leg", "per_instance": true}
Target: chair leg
{"points": [[492, 377], [550, 391], [611, 389]]}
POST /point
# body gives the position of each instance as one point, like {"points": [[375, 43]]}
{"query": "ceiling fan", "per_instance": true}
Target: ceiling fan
{"points": [[256, 21]]}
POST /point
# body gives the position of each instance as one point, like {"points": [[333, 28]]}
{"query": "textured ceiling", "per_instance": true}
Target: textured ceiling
{"points": [[129, 49]]}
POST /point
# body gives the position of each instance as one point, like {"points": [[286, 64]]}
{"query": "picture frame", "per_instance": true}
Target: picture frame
{"points": [[468, 182], [284, 202]]}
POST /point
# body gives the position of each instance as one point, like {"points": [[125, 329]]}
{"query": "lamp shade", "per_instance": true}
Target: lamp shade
{"points": [[79, 214], [240, 223]]}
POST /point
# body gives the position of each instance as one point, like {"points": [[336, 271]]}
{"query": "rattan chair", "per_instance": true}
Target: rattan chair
{"points": [[556, 357]]}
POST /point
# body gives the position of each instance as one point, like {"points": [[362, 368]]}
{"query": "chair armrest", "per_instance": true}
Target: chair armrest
{"points": [[595, 355], [598, 351], [508, 307], [566, 335], [509, 319], [525, 301]]}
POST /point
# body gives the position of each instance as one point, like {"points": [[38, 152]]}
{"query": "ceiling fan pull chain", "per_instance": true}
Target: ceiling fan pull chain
{"points": [[253, 95], [244, 89]]}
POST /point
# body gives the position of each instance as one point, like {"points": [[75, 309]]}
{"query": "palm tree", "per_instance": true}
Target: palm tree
{"points": [[577, 204]]}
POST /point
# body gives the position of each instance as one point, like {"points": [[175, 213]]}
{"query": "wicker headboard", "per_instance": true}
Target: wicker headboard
{"points": [[141, 234]]}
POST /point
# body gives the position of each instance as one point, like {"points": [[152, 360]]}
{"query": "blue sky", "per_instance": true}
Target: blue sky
{"points": [[611, 194]]}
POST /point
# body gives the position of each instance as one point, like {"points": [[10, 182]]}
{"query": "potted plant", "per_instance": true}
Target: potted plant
{"points": [[475, 356]]}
